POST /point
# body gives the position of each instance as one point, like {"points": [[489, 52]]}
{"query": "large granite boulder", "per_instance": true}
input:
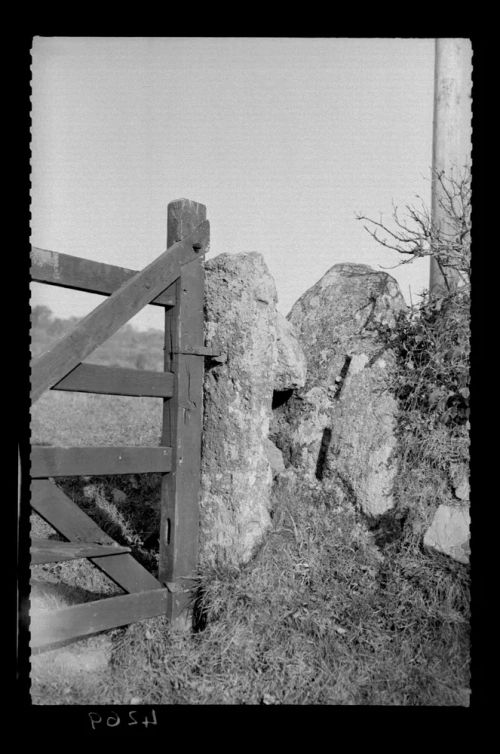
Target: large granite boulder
{"points": [[238, 461], [339, 430]]}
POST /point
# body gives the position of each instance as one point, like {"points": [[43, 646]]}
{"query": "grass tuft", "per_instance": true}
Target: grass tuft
{"points": [[319, 616]]}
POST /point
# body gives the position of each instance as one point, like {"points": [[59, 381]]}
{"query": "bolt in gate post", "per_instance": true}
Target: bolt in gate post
{"points": [[182, 421]]}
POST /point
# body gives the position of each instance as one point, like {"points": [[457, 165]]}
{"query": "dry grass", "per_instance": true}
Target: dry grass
{"points": [[320, 616]]}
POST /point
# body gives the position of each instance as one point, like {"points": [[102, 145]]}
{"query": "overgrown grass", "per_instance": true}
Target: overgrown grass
{"points": [[327, 612], [320, 616]]}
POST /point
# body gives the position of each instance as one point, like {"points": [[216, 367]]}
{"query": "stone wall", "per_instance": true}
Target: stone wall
{"points": [[307, 398]]}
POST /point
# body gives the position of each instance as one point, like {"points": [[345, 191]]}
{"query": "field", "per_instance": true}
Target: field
{"points": [[327, 612]]}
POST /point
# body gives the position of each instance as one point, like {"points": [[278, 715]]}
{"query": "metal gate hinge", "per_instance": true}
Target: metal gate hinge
{"points": [[200, 351]]}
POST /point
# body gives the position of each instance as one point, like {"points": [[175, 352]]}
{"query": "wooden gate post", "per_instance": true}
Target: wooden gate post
{"points": [[182, 421]]}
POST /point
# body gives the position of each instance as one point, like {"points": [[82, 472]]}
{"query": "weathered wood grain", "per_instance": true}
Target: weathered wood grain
{"points": [[68, 623], [53, 462], [51, 551], [50, 502], [111, 314], [182, 419], [80, 274], [97, 378]]}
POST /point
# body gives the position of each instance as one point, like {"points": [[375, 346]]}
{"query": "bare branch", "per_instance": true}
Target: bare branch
{"points": [[413, 234]]}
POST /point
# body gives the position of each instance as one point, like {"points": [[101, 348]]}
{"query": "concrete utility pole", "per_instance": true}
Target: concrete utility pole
{"points": [[452, 130]]}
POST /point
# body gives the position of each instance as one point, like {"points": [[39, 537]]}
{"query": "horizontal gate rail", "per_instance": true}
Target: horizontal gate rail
{"points": [[88, 618], [51, 551], [80, 274], [109, 316], [53, 462], [97, 378]]}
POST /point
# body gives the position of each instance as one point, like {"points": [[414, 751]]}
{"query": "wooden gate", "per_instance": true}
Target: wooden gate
{"points": [[175, 281]]}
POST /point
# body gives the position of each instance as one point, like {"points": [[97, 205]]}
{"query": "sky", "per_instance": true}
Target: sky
{"points": [[283, 139]]}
